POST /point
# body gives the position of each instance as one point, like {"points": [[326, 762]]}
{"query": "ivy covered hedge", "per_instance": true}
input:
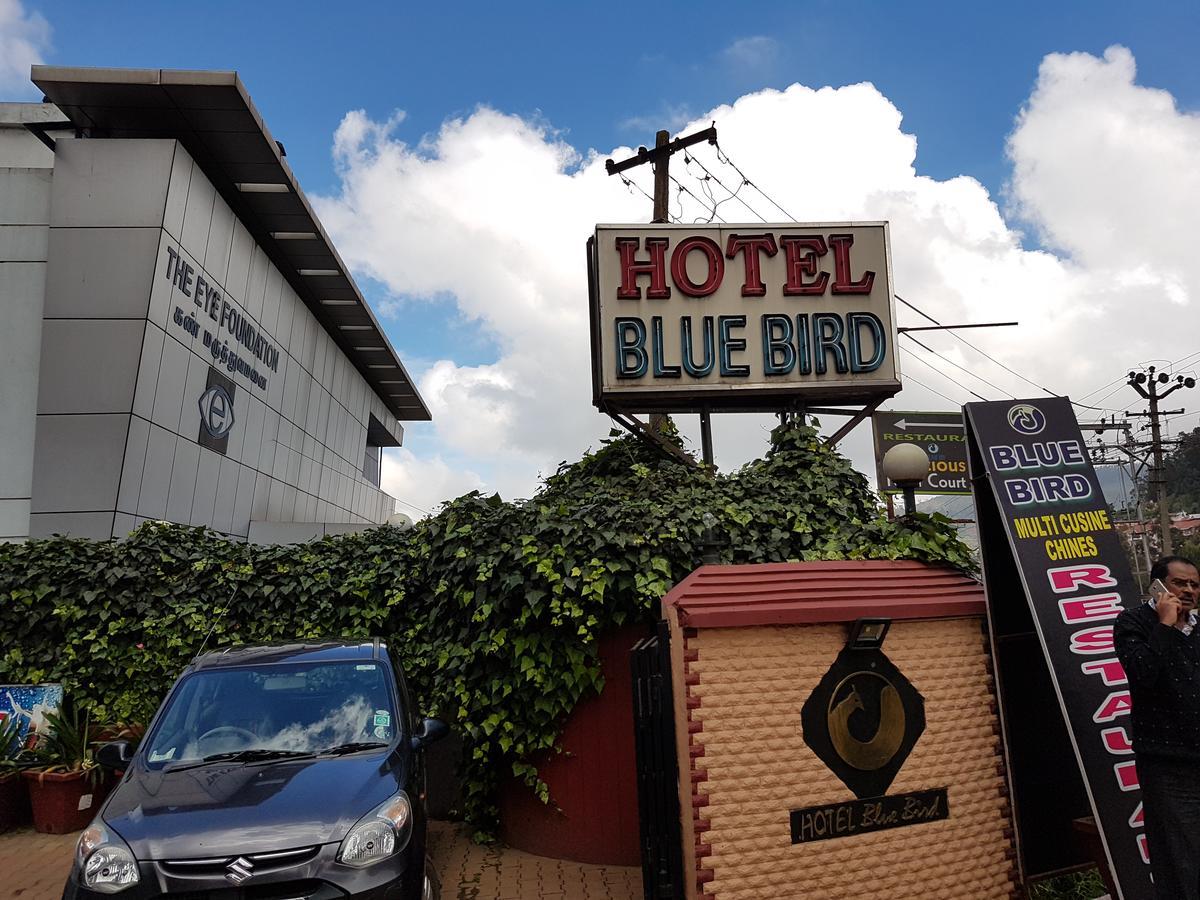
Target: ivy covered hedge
{"points": [[493, 606]]}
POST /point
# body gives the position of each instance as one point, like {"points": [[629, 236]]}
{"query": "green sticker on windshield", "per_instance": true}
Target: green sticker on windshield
{"points": [[382, 719]]}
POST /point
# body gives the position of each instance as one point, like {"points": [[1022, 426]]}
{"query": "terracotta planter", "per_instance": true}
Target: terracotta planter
{"points": [[14, 802], [64, 802]]}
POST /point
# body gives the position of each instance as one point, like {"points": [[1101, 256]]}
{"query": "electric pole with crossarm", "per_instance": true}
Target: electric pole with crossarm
{"points": [[1158, 476], [660, 159]]}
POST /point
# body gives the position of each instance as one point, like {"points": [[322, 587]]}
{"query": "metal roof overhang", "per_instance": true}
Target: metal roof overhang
{"points": [[212, 115]]}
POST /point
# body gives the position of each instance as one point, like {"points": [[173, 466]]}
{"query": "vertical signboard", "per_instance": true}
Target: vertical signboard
{"points": [[1048, 533]]}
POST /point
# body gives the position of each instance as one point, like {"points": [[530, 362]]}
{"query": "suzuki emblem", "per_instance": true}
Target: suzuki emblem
{"points": [[239, 870]]}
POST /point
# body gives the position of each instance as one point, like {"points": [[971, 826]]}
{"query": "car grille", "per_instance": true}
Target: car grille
{"points": [[261, 863], [283, 890]]}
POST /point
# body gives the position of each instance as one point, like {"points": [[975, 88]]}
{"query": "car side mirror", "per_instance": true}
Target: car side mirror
{"points": [[431, 731], [116, 755]]}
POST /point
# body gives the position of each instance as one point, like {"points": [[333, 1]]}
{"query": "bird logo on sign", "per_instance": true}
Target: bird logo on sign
{"points": [[863, 719], [1026, 419]]}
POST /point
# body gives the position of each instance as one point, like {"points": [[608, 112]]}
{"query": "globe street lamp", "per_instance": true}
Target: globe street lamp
{"points": [[906, 465]]}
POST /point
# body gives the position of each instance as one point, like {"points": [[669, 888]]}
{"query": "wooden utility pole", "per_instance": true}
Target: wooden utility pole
{"points": [[660, 159], [1158, 475]]}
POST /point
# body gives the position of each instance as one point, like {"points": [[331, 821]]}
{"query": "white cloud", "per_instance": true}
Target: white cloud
{"points": [[751, 53], [23, 38], [493, 211], [1106, 170], [423, 482]]}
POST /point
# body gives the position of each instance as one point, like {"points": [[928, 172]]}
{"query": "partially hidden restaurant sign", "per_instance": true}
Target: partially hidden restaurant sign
{"points": [[693, 318], [1030, 457]]}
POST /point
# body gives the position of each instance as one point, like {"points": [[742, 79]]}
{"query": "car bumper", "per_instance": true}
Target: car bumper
{"points": [[321, 878]]}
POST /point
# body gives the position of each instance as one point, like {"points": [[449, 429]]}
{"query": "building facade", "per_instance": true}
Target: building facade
{"points": [[181, 340]]}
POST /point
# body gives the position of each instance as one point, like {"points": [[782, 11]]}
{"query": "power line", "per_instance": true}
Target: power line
{"points": [[944, 375], [976, 349], [423, 512], [733, 195], [1121, 380], [723, 157], [932, 390], [630, 183], [956, 365], [683, 189]]}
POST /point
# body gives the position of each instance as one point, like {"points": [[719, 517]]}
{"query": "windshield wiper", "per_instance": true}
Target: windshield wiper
{"points": [[261, 754], [352, 747]]}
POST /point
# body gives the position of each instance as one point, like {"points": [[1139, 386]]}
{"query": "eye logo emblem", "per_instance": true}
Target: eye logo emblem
{"points": [[216, 412], [1026, 419]]}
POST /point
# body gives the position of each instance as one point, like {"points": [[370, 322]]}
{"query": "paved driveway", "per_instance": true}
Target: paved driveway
{"points": [[34, 866]]}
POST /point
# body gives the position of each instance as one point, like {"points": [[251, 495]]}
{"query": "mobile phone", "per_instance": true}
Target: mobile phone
{"points": [[1157, 588]]}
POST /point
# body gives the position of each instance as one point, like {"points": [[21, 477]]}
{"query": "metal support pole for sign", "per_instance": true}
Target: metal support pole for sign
{"points": [[706, 445], [646, 433], [861, 414]]}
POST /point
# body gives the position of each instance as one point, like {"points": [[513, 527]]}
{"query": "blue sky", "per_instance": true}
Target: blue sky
{"points": [[603, 76], [958, 71]]}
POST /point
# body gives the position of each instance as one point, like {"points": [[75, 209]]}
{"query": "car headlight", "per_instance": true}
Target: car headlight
{"points": [[381, 833], [106, 865]]}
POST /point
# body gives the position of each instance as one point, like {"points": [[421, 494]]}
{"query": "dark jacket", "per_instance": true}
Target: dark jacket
{"points": [[1163, 667]]}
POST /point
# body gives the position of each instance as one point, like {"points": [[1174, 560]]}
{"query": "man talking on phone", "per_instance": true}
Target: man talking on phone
{"points": [[1159, 646]]}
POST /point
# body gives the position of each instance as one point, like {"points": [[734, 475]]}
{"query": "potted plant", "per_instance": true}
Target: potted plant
{"points": [[14, 796], [65, 784]]}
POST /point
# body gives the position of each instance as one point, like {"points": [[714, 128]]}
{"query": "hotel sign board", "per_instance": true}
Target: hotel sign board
{"points": [[741, 317], [1056, 578]]}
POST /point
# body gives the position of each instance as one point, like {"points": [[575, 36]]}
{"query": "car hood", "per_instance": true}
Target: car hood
{"points": [[230, 809]]}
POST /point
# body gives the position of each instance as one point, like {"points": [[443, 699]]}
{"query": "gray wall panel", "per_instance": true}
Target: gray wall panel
{"points": [[172, 376], [181, 175], [89, 365], [226, 496], [156, 476], [197, 216], [21, 286], [26, 194], [183, 480], [78, 462], [110, 184], [100, 272], [220, 238], [205, 497], [14, 519], [147, 380], [95, 525], [23, 243], [134, 466]]}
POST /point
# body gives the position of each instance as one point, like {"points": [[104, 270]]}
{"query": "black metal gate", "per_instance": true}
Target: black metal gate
{"points": [[657, 768]]}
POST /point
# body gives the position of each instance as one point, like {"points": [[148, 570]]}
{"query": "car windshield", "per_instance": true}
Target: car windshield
{"points": [[291, 709]]}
